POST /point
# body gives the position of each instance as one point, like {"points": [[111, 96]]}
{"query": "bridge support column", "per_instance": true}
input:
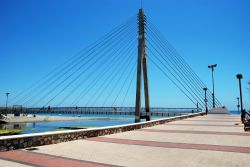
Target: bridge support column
{"points": [[142, 65]]}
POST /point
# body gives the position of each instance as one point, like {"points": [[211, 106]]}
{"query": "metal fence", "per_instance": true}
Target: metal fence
{"points": [[100, 110]]}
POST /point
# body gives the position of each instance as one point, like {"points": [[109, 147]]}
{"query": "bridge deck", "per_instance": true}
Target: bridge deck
{"points": [[213, 140]]}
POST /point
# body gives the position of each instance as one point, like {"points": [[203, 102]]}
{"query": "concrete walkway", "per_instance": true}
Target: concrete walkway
{"points": [[213, 140]]}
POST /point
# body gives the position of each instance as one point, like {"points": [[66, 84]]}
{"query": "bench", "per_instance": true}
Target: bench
{"points": [[246, 120]]}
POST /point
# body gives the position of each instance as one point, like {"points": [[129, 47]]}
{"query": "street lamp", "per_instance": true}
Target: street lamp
{"points": [[205, 89], [238, 106], [7, 96], [239, 77], [212, 67]]}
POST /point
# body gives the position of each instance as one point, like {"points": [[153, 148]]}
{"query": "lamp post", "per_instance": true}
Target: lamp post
{"points": [[205, 99], [238, 106], [239, 77], [7, 96], [212, 67]]}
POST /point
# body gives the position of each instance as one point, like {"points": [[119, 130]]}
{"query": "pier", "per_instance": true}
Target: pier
{"points": [[155, 111]]}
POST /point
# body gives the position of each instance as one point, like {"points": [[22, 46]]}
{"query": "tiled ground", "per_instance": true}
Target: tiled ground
{"points": [[213, 140]]}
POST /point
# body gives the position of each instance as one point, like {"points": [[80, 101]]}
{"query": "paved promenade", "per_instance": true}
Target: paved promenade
{"points": [[204, 141]]}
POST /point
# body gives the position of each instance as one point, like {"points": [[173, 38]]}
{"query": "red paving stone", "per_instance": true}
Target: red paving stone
{"points": [[212, 120], [195, 132], [202, 125], [225, 117], [38, 159], [173, 145]]}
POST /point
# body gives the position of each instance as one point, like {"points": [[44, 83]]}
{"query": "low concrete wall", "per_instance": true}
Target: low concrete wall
{"points": [[39, 139]]}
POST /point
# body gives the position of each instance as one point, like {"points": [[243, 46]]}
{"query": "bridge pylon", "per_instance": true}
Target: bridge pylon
{"points": [[142, 66]]}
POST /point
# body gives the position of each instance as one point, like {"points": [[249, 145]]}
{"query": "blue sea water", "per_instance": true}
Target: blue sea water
{"points": [[52, 126], [235, 112]]}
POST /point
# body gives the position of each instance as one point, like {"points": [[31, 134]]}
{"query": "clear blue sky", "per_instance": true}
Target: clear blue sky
{"points": [[36, 36]]}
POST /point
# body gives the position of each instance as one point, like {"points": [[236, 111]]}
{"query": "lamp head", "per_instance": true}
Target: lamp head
{"points": [[239, 76], [205, 89], [212, 66]]}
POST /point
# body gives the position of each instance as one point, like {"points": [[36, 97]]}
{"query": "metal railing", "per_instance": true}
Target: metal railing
{"points": [[100, 110]]}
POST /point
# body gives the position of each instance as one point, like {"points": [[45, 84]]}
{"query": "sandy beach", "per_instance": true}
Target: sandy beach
{"points": [[30, 118]]}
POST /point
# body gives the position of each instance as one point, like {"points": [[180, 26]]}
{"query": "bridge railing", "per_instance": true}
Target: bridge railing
{"points": [[99, 110]]}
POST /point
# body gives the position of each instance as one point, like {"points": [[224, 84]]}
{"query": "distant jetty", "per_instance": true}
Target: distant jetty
{"points": [[38, 118]]}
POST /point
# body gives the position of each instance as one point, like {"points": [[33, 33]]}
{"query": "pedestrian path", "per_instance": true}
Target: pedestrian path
{"points": [[213, 140]]}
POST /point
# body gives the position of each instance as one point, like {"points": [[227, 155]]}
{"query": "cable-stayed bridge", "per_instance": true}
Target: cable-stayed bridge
{"points": [[115, 74]]}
